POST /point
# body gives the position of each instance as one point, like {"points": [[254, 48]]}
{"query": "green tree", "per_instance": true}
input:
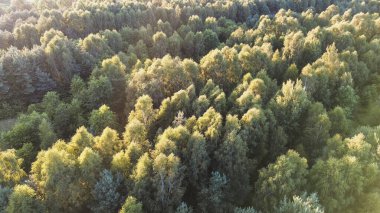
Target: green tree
{"points": [[26, 137], [173, 140], [192, 70], [249, 93], [102, 118], [47, 134], [197, 161], [183, 208], [277, 138], [211, 95], [167, 181], [315, 133], [278, 67], [89, 165], [61, 58], [195, 23], [6, 38], [115, 71], [24, 199], [131, 205], [143, 184], [169, 108], [291, 73], [50, 102], [136, 133], [312, 49], [350, 160], [79, 141], [253, 59], [28, 153], [141, 50], [339, 122], [49, 34], [11, 172], [330, 82], [105, 193], [79, 21], [67, 118], [211, 40], [222, 66], [236, 37], [211, 23], [165, 27], [5, 192], [188, 44], [121, 163], [54, 174], [174, 44], [201, 104], [97, 93], [160, 44], [26, 35], [66, 173], [233, 161], [26, 130], [113, 39], [293, 47], [254, 131], [285, 177], [143, 111], [245, 210], [96, 46], [301, 204], [108, 144], [210, 125], [199, 46], [159, 79], [213, 195], [336, 194], [289, 106]]}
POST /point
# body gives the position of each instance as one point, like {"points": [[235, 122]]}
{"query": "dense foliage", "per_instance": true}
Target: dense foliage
{"points": [[190, 106]]}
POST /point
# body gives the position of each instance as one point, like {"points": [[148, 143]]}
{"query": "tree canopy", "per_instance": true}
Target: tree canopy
{"points": [[184, 106]]}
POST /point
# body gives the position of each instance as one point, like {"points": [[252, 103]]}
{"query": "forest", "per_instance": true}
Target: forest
{"points": [[187, 106]]}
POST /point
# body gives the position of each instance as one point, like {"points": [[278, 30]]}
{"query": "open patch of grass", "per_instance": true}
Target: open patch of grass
{"points": [[369, 115], [4, 3], [7, 124]]}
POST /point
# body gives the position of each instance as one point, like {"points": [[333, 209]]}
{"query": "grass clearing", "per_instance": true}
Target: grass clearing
{"points": [[4, 3], [369, 115], [7, 124]]}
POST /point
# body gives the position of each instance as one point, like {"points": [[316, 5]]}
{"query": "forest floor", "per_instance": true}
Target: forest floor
{"points": [[7, 124]]}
